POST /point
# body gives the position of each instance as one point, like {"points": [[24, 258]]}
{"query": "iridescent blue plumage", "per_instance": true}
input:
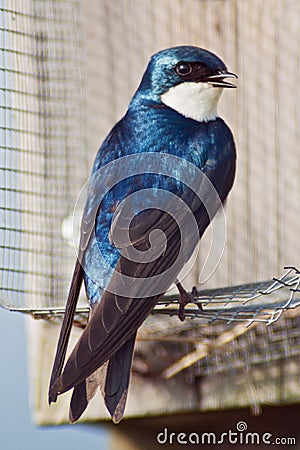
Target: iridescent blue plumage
{"points": [[206, 145], [150, 127]]}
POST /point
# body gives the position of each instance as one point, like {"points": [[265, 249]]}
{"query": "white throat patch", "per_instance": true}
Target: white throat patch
{"points": [[198, 101]]}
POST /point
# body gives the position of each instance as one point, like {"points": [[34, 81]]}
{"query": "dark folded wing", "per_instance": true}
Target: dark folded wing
{"points": [[117, 317], [66, 326]]}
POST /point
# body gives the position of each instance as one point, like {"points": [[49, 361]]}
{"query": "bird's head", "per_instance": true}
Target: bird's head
{"points": [[188, 79]]}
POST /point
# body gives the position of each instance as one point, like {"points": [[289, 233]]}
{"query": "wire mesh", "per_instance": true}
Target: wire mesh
{"points": [[41, 146], [253, 302], [226, 339], [211, 349], [68, 69], [248, 303]]}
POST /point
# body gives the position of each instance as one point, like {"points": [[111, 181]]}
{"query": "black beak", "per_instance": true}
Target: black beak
{"points": [[218, 79]]}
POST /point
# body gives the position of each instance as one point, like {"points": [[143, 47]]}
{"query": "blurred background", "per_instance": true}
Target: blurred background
{"points": [[68, 69]]}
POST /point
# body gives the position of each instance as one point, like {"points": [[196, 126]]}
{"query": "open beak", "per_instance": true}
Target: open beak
{"points": [[218, 80]]}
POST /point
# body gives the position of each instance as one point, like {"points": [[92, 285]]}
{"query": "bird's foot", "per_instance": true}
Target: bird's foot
{"points": [[184, 299]]}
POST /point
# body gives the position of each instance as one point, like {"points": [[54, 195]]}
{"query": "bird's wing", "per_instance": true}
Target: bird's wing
{"points": [[89, 217], [114, 307], [116, 317], [66, 325]]}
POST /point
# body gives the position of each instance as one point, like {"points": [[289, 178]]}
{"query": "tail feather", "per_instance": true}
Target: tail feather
{"points": [[117, 380], [79, 401], [85, 391], [112, 378]]}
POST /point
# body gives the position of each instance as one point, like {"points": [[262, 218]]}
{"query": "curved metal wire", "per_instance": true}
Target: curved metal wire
{"points": [[253, 302]]}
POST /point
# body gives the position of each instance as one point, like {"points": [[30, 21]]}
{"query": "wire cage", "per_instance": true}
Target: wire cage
{"points": [[67, 71], [41, 147]]}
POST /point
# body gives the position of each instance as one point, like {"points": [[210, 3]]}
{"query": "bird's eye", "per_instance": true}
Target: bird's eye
{"points": [[183, 69]]}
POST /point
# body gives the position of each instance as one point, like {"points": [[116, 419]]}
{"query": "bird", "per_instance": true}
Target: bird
{"points": [[158, 180]]}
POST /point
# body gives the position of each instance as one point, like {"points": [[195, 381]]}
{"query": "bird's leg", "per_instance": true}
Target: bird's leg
{"points": [[184, 299]]}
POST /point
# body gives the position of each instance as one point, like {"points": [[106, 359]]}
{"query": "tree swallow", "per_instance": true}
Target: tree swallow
{"points": [[158, 180]]}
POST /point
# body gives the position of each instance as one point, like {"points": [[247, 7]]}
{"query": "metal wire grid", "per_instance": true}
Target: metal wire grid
{"points": [[42, 169], [41, 144], [212, 349], [229, 332], [221, 340], [42, 137], [257, 40], [253, 302], [249, 303]]}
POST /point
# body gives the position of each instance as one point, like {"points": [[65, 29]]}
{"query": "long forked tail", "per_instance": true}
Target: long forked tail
{"points": [[113, 380]]}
